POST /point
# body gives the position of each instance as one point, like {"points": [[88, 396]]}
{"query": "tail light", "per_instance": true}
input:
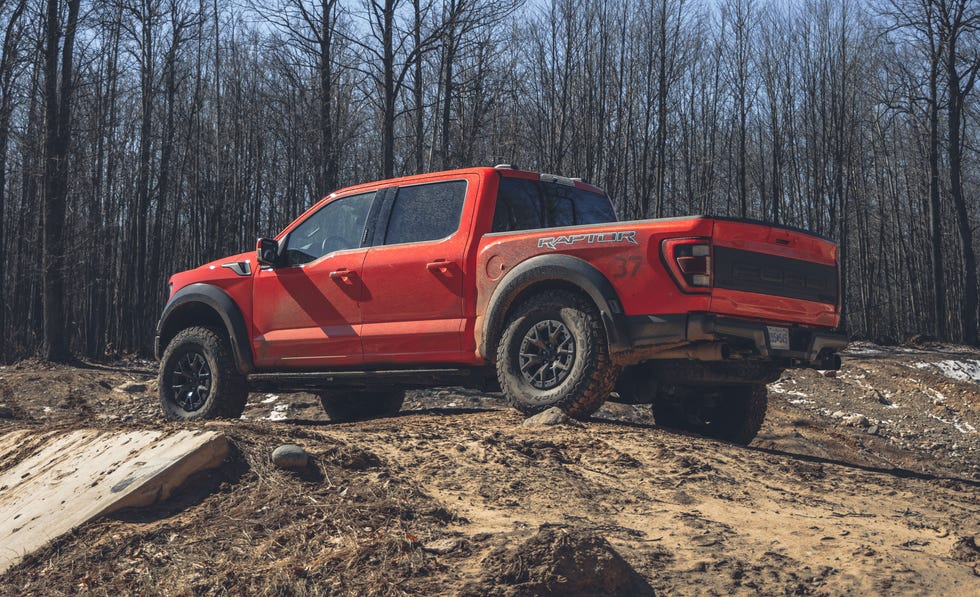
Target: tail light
{"points": [[689, 262]]}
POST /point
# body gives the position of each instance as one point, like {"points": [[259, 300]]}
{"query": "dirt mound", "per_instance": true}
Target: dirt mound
{"points": [[558, 562]]}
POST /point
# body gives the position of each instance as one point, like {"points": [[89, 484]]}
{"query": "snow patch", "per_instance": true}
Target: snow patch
{"points": [[279, 412], [271, 398], [968, 370], [867, 349], [779, 389], [961, 426]]}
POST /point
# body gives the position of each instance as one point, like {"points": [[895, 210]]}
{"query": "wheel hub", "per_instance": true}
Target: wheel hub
{"points": [[191, 381], [546, 354]]}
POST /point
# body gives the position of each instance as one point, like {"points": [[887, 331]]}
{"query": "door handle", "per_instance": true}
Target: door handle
{"points": [[341, 274], [439, 265]]}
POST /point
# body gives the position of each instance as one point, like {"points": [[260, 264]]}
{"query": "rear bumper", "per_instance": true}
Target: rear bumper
{"points": [[808, 347]]}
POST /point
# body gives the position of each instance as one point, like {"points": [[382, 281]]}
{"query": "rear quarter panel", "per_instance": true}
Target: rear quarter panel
{"points": [[626, 253]]}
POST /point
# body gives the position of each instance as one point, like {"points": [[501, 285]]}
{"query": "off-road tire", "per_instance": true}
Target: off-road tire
{"points": [[731, 413], [227, 390], [354, 405], [591, 375]]}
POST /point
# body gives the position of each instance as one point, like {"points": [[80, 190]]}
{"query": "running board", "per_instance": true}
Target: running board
{"points": [[403, 378]]}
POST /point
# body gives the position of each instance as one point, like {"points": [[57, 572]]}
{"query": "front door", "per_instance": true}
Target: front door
{"points": [[413, 305], [306, 311]]}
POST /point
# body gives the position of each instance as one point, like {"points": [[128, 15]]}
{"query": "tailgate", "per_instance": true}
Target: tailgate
{"points": [[769, 272]]}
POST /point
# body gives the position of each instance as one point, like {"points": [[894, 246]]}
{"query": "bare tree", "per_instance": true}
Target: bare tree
{"points": [[58, 94], [9, 57], [959, 32]]}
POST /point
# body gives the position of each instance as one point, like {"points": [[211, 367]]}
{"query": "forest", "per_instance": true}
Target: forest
{"points": [[143, 137]]}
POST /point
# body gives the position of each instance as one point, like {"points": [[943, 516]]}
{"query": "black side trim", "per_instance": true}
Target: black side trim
{"points": [[226, 308], [385, 378], [555, 268], [736, 269]]}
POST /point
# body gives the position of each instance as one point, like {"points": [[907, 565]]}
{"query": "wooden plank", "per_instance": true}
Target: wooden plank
{"points": [[54, 482]]}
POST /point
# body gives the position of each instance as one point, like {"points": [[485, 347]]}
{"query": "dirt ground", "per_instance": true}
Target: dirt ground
{"points": [[864, 481]]}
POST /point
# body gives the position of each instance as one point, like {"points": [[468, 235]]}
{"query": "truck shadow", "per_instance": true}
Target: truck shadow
{"points": [[898, 472], [435, 410]]}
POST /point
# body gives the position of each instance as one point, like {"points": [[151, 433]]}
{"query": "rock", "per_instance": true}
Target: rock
{"points": [[829, 373], [965, 549], [838, 414], [856, 420], [552, 416], [290, 456], [558, 562], [131, 387], [876, 396], [443, 546], [873, 430]]}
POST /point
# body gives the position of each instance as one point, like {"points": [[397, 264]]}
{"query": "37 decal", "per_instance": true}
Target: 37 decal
{"points": [[627, 266], [593, 238]]}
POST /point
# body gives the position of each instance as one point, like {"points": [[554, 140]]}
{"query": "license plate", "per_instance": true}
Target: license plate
{"points": [[778, 337]]}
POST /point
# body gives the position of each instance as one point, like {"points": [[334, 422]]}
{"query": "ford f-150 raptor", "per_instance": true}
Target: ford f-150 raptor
{"points": [[497, 276]]}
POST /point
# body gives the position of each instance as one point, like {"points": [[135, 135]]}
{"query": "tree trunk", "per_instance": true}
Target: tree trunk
{"points": [[57, 140], [934, 205], [328, 149], [958, 92], [388, 107], [7, 59]]}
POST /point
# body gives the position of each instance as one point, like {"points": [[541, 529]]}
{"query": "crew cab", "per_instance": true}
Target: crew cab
{"points": [[500, 278]]}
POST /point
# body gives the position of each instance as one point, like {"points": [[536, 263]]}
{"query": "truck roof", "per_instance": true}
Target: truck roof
{"points": [[501, 170]]}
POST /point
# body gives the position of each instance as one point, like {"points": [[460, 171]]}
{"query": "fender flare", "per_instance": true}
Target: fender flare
{"points": [[553, 268], [221, 303]]}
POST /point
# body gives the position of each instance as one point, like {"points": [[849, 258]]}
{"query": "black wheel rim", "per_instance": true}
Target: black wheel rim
{"points": [[191, 381], [546, 354]]}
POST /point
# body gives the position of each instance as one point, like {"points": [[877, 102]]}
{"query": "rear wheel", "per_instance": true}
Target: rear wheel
{"points": [[731, 413], [553, 352], [198, 378], [354, 405]]}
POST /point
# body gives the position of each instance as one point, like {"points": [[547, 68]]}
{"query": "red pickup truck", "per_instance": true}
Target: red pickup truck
{"points": [[498, 277]]}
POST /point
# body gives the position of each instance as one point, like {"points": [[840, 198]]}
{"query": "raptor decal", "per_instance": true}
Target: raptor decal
{"points": [[592, 238]]}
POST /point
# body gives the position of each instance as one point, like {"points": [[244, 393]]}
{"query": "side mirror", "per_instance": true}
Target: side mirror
{"points": [[267, 250]]}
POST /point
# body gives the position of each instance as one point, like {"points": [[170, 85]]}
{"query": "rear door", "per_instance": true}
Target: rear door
{"points": [[413, 308]]}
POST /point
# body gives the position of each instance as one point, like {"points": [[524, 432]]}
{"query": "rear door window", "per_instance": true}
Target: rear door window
{"points": [[425, 212], [524, 204]]}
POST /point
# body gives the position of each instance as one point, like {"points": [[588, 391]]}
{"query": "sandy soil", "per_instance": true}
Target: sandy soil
{"points": [[866, 481]]}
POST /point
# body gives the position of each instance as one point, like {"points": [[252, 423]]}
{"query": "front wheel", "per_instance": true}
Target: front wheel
{"points": [[351, 405], [732, 413], [553, 352], [198, 378]]}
